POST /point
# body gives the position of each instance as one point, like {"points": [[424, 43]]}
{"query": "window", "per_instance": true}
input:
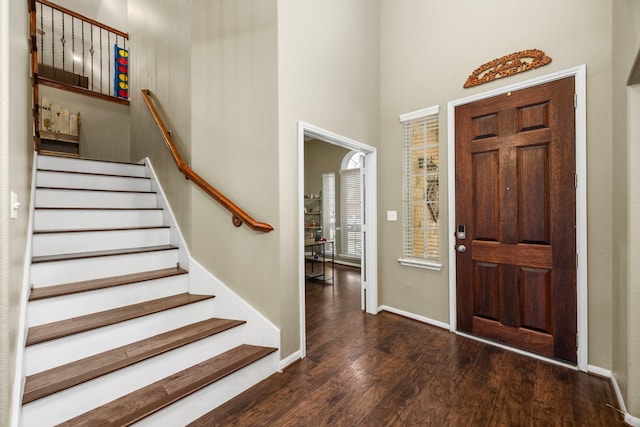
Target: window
{"points": [[421, 190], [350, 206], [329, 205]]}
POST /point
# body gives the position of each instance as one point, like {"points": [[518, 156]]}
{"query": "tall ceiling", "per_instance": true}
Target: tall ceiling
{"points": [[88, 8]]}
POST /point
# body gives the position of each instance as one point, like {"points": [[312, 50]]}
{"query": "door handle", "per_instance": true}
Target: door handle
{"points": [[461, 248]]}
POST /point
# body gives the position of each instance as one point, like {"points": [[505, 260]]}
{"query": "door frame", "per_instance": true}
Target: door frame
{"points": [[369, 262], [579, 73]]}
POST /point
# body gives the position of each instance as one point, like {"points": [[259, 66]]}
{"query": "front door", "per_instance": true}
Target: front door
{"points": [[516, 217]]}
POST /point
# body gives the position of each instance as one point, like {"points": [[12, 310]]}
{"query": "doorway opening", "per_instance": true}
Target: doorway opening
{"points": [[361, 229]]}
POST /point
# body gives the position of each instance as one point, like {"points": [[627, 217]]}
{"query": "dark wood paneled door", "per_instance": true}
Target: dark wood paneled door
{"points": [[516, 218]]}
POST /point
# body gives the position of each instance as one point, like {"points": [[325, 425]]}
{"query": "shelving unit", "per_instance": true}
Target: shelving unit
{"points": [[312, 216], [315, 263]]}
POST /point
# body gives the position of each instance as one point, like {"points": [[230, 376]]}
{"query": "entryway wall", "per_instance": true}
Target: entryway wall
{"points": [[437, 78]]}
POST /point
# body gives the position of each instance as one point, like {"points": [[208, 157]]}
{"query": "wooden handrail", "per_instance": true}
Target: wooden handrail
{"points": [[239, 216]]}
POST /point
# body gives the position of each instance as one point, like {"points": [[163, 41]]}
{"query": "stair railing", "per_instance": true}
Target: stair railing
{"points": [[238, 215], [75, 53]]}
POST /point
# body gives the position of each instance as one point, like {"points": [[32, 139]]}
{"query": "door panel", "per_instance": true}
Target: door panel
{"points": [[485, 196], [515, 194]]}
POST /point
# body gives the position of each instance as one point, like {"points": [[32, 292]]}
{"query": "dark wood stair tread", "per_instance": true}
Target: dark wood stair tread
{"points": [[63, 328], [95, 254], [106, 282], [62, 377], [141, 403], [93, 230]]}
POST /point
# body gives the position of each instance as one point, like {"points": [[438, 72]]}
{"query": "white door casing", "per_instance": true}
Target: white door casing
{"points": [[370, 219]]}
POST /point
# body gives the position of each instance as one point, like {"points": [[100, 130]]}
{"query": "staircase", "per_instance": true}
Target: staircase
{"points": [[114, 335]]}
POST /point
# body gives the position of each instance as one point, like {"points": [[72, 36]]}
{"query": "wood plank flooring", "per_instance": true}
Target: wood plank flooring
{"points": [[387, 370]]}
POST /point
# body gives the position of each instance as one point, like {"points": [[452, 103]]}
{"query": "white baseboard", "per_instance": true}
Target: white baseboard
{"points": [[628, 418], [177, 238], [631, 420], [21, 338], [293, 357], [413, 316], [347, 263]]}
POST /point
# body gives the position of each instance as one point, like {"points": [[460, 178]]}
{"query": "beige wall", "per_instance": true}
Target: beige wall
{"points": [[105, 129], [16, 157], [108, 12], [625, 190], [428, 50], [234, 104], [160, 37]]}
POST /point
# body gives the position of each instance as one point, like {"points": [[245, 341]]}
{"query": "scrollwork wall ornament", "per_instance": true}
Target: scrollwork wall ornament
{"points": [[514, 63]]}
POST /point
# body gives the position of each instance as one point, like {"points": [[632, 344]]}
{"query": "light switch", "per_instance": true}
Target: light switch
{"points": [[392, 215], [14, 205]]}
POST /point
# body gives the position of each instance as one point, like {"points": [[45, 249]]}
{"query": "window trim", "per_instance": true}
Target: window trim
{"points": [[420, 263]]}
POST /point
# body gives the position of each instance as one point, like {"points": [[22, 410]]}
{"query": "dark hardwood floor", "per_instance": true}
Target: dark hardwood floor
{"points": [[387, 370]]}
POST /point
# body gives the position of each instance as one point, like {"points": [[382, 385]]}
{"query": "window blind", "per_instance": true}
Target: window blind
{"points": [[421, 192], [350, 213], [329, 205]]}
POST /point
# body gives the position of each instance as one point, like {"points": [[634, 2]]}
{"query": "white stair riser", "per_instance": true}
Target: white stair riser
{"points": [[68, 219], [89, 241], [89, 166], [55, 198], [49, 310], [93, 182], [69, 403], [47, 355], [58, 272], [203, 401]]}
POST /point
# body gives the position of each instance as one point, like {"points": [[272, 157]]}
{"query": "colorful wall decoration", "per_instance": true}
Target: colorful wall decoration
{"points": [[120, 72]]}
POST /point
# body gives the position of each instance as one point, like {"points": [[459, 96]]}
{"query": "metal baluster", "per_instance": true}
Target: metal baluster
{"points": [[100, 60], [62, 40], [91, 51], [109, 56], [53, 42], [84, 74], [73, 45], [41, 56]]}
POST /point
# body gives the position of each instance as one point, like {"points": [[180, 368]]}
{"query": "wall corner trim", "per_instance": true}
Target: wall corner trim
{"points": [[290, 359]]}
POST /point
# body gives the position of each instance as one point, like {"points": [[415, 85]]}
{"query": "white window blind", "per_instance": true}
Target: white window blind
{"points": [[350, 213], [421, 192], [329, 205]]}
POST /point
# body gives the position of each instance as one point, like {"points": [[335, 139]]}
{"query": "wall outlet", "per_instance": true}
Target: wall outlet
{"points": [[392, 215]]}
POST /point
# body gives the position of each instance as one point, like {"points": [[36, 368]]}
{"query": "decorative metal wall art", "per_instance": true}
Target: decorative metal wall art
{"points": [[514, 63]]}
